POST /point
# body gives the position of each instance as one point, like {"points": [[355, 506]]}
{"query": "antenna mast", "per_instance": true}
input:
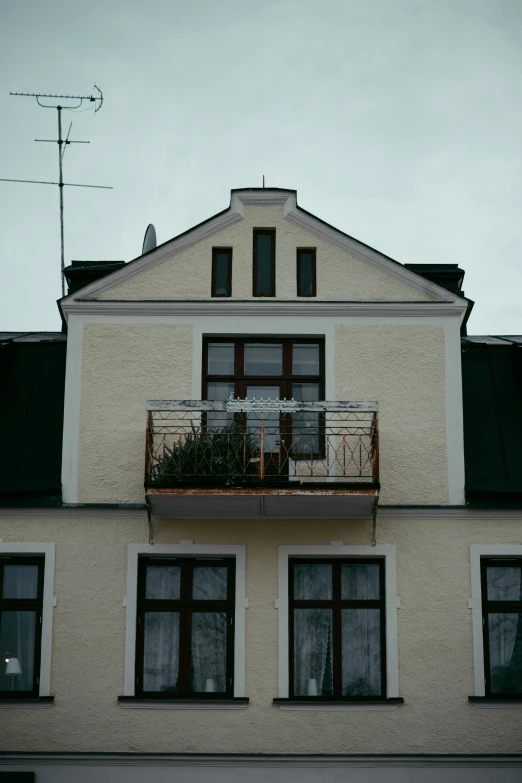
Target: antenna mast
{"points": [[97, 101]]}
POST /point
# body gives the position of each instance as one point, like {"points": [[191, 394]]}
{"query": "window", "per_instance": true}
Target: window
{"points": [[306, 278], [501, 582], [221, 271], [264, 262], [337, 628], [185, 627], [21, 607]]}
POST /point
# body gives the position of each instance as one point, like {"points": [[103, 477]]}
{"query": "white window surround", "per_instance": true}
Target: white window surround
{"points": [[188, 548], [475, 604], [49, 602], [338, 549]]}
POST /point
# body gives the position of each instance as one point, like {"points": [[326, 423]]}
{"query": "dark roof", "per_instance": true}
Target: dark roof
{"points": [[492, 392], [32, 368]]}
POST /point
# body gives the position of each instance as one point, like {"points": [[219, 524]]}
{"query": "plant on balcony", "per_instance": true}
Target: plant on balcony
{"points": [[232, 453]]}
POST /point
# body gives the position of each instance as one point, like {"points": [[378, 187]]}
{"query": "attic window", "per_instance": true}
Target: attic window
{"points": [[264, 262], [221, 271], [306, 278]]}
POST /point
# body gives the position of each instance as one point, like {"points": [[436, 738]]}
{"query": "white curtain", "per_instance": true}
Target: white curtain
{"points": [[209, 651], [313, 655], [18, 628], [161, 653]]}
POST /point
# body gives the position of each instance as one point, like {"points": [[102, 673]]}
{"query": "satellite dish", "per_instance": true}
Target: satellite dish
{"points": [[149, 240]]}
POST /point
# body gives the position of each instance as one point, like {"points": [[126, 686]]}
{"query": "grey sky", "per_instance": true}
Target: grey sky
{"points": [[398, 121]]}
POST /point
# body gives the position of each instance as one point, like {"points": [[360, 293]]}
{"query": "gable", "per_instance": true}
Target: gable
{"points": [[347, 270]]}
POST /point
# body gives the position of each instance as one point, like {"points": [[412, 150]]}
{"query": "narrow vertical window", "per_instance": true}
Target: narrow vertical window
{"points": [[264, 262], [221, 271], [306, 280]]}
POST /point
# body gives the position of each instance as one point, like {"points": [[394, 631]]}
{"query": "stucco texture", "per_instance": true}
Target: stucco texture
{"points": [[403, 368], [124, 365], [187, 275], [434, 632]]}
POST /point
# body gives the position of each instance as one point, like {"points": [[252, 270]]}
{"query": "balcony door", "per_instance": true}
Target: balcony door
{"points": [[260, 368]]}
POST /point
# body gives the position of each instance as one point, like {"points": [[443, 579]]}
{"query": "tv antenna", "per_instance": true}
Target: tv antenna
{"points": [[97, 101]]}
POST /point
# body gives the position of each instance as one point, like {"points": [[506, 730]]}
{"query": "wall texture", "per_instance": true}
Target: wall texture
{"points": [[434, 631], [339, 275], [403, 367], [124, 365]]}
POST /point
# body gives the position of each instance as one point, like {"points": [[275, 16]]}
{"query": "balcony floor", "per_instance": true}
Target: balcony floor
{"points": [[262, 503]]}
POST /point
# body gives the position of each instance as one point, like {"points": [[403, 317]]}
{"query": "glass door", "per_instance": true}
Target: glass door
{"points": [[268, 428]]}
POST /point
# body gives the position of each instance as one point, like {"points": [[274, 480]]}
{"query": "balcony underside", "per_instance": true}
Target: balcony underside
{"points": [[262, 503]]}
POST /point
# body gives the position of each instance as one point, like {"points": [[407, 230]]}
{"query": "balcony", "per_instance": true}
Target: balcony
{"points": [[247, 459]]}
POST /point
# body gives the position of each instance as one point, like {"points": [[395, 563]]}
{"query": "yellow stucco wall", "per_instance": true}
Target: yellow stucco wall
{"points": [[434, 632], [403, 368], [339, 275], [124, 365]]}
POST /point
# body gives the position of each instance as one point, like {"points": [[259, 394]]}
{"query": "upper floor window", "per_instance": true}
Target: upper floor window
{"points": [[264, 262], [337, 628], [306, 276], [502, 625], [21, 599], [185, 632], [221, 271]]}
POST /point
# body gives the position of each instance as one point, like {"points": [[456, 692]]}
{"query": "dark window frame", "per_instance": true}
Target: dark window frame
{"points": [[186, 606], [337, 604], [300, 253], [272, 233], [490, 606], [215, 252], [25, 604]]}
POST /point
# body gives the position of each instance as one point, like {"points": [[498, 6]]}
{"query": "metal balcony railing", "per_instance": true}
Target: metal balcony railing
{"points": [[243, 442]]}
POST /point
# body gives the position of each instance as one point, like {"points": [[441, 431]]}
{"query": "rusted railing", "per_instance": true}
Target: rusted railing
{"points": [[238, 442]]}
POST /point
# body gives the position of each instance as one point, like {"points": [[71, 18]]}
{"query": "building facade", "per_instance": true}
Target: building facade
{"points": [[263, 559]]}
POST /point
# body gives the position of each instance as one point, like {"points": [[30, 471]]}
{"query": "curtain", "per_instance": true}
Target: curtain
{"points": [[18, 628], [361, 644], [161, 651], [209, 651], [504, 583], [313, 655]]}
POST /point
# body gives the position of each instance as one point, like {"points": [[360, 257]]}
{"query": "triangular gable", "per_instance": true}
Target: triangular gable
{"points": [[399, 281]]}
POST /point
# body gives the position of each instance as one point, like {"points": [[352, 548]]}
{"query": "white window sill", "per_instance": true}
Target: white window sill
{"points": [[37, 703], [135, 703], [483, 703]]}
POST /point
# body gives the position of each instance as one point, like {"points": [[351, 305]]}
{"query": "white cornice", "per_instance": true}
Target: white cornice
{"points": [[265, 197], [263, 309]]}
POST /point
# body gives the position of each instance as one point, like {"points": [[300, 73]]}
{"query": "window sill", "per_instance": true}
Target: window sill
{"points": [[139, 703], [27, 703], [491, 703], [333, 705]]}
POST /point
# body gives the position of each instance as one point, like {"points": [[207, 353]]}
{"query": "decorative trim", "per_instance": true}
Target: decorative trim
{"points": [[185, 548], [41, 703], [263, 761], [483, 702], [128, 702], [72, 411], [266, 197], [337, 706], [454, 414], [256, 308], [49, 602], [475, 604], [337, 549]]}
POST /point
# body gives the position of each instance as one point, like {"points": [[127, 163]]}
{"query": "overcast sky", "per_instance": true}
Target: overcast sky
{"points": [[398, 121]]}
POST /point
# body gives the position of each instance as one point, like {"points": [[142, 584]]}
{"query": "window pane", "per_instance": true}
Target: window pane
{"points": [[20, 581], [161, 651], [264, 264], [361, 640], [263, 359], [209, 652], [163, 582], [220, 391], [306, 276], [504, 583], [312, 582], [313, 654], [210, 583], [360, 582], [221, 359], [305, 430], [305, 359], [505, 652], [272, 432], [17, 643], [221, 272]]}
